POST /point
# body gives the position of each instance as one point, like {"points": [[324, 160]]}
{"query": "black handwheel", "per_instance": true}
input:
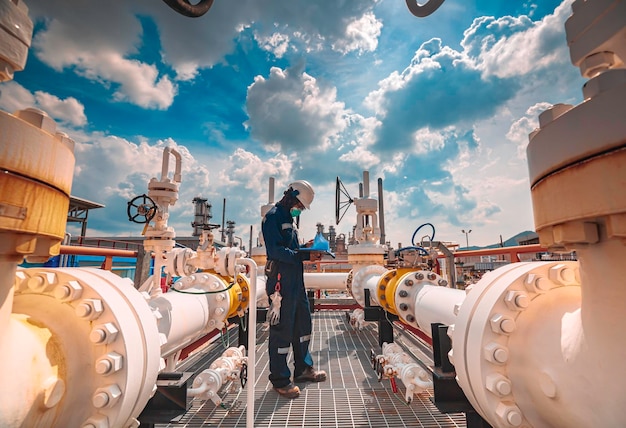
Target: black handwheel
{"points": [[141, 209], [243, 375]]}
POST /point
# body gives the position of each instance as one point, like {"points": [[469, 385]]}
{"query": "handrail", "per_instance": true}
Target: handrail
{"points": [[107, 253], [513, 252]]}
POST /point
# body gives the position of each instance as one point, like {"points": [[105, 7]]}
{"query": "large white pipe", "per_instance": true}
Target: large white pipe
{"points": [[325, 281], [420, 301]]}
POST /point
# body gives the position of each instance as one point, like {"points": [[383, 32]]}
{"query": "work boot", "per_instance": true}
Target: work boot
{"points": [[311, 375], [290, 391]]}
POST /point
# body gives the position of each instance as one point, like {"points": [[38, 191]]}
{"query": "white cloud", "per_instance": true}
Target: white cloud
{"points": [[515, 46], [277, 43], [290, 109], [14, 97], [69, 110], [82, 39], [519, 130], [361, 35]]}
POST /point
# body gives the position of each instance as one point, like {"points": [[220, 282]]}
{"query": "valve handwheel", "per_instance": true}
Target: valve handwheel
{"points": [[141, 209], [243, 375]]}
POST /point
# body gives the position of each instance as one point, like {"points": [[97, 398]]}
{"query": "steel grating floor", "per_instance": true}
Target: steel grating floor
{"points": [[352, 396]]}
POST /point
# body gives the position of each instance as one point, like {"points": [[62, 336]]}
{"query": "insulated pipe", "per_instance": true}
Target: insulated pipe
{"points": [[420, 300], [325, 281], [202, 304]]}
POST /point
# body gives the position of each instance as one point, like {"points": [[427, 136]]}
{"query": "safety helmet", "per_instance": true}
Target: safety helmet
{"points": [[303, 192]]}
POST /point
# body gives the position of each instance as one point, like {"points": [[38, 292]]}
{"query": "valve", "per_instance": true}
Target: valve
{"points": [[141, 209]]}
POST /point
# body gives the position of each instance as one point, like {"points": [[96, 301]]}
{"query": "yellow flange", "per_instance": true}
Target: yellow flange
{"points": [[384, 285], [386, 288], [239, 296]]}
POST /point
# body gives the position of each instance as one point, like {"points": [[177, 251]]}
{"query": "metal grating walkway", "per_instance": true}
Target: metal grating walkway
{"points": [[352, 396]]}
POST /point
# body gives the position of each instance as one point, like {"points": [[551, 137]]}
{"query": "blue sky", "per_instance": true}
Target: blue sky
{"points": [[439, 107]]}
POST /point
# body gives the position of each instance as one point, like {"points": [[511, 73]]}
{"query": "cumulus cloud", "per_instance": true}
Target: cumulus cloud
{"points": [[69, 110], [14, 96], [361, 35], [519, 130], [80, 38], [515, 46], [290, 110]]}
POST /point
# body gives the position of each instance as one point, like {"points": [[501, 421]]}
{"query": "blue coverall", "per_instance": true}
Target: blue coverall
{"points": [[294, 328]]}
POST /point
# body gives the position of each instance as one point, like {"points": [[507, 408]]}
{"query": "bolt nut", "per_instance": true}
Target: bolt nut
{"points": [[69, 291], [41, 281], [596, 63], [403, 293], [537, 283], [20, 280], [432, 276], [98, 421], [516, 300], [110, 363], [106, 396], [103, 333], [502, 324], [442, 283], [496, 353], [404, 307], [38, 118], [408, 282], [419, 276], [498, 384], [562, 274], [553, 113], [510, 414], [89, 309]]}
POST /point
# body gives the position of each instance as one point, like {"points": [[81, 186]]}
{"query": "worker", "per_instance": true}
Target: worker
{"points": [[289, 313]]}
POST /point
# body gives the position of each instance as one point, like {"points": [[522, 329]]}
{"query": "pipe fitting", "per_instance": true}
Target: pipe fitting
{"points": [[106, 396], [89, 309], [104, 333], [108, 364], [563, 275], [597, 63], [516, 300], [501, 324], [509, 414], [553, 113], [496, 353], [498, 384], [68, 292]]}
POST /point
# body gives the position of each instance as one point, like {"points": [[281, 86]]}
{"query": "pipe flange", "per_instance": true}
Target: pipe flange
{"points": [[486, 345], [360, 279], [385, 284], [407, 286], [96, 319]]}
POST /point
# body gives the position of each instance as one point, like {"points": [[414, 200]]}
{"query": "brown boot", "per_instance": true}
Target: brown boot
{"points": [[311, 375], [290, 391]]}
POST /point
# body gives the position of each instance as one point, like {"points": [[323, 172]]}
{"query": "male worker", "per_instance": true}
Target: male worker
{"points": [[289, 313]]}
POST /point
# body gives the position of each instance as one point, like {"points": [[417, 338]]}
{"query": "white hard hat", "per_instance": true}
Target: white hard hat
{"points": [[305, 193]]}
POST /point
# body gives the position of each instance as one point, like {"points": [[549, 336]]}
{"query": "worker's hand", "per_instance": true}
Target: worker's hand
{"points": [[309, 244], [315, 256]]}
